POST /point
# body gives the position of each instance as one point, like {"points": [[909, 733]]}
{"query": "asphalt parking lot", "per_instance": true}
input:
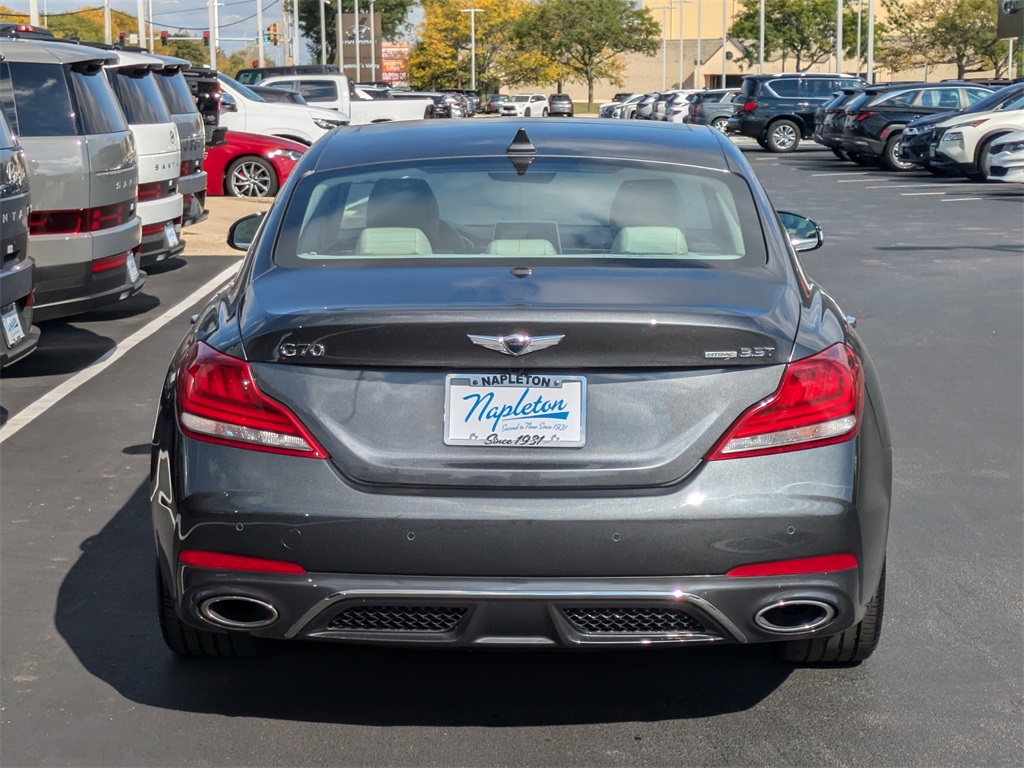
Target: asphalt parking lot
{"points": [[932, 270]]}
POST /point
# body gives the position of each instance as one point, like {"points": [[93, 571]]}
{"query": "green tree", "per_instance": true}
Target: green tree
{"points": [[958, 32], [800, 30], [585, 37], [442, 57], [191, 49], [393, 14]]}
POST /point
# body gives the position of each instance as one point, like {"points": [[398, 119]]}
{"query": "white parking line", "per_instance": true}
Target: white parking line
{"points": [[918, 194], [960, 199], [841, 173], [853, 181], [910, 186], [50, 399]]}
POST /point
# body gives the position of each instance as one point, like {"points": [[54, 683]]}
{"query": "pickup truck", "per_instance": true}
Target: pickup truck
{"points": [[336, 91]]}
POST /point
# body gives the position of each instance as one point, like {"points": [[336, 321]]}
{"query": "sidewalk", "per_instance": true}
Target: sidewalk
{"points": [[209, 238]]}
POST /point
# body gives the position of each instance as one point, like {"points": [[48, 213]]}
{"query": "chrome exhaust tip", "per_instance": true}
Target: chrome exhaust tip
{"points": [[787, 617], [237, 612]]}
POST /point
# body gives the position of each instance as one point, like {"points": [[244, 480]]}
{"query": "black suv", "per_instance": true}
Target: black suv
{"points": [[778, 110], [875, 120]]}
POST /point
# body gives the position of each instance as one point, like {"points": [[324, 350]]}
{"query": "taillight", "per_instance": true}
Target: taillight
{"points": [[820, 564], [695, 109], [186, 168], [224, 562], [219, 402], [861, 116], [750, 106], [152, 191], [76, 222], [818, 402]]}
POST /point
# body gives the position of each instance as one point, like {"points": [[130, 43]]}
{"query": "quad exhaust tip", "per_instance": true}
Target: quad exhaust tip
{"points": [[788, 617], [237, 612]]}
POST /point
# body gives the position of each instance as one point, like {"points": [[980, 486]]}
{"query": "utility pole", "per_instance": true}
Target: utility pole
{"points": [[341, 42], [142, 22], [359, 45], [33, 12], [839, 36], [297, 52], [259, 31], [108, 36], [152, 41], [871, 41], [373, 46], [724, 41], [760, 43], [212, 13], [323, 32], [472, 43], [697, 80]]}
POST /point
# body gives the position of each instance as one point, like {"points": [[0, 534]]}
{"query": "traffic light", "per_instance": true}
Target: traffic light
{"points": [[120, 38], [206, 38], [163, 37], [274, 34]]}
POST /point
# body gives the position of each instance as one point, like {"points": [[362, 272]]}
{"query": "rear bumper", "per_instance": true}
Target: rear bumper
{"points": [[16, 284], [862, 145], [532, 613]]}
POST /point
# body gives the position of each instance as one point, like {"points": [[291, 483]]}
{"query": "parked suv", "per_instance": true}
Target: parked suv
{"points": [[828, 123], [560, 104], [874, 122], [712, 108], [525, 105], [778, 110], [255, 74], [83, 168], [918, 135], [205, 89], [963, 141], [191, 138], [17, 270]]}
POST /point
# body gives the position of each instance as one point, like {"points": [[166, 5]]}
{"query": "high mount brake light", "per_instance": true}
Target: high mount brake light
{"points": [[219, 402], [818, 402]]}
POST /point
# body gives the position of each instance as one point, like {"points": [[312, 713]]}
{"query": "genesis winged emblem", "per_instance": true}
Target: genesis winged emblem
{"points": [[516, 344]]}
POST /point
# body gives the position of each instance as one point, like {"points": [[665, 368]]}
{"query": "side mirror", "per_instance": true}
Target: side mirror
{"points": [[803, 233], [227, 103], [243, 232]]}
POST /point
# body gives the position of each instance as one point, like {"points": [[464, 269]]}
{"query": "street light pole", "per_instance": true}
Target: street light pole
{"points": [[323, 32], [472, 44], [259, 31], [839, 36], [871, 41], [296, 53], [760, 43], [359, 45], [696, 74], [212, 12], [724, 40], [373, 45]]}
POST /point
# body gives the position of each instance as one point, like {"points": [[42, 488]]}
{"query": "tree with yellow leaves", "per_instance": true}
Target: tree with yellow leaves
{"points": [[441, 59]]}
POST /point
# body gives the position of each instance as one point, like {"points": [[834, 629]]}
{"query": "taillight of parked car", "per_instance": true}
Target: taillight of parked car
{"points": [[219, 402], [750, 106], [818, 402], [77, 222], [99, 266], [861, 116], [154, 191]]}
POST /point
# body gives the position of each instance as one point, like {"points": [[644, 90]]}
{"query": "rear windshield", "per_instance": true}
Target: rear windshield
{"points": [[139, 96], [42, 103], [176, 92], [6, 136], [559, 208], [97, 106]]}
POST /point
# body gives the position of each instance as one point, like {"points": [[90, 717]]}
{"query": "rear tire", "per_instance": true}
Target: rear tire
{"points": [[719, 123], [891, 155], [527, 112], [185, 640], [544, 113], [850, 647], [762, 143], [783, 136]]}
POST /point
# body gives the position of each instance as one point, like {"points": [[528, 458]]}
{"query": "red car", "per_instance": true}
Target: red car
{"points": [[250, 165]]}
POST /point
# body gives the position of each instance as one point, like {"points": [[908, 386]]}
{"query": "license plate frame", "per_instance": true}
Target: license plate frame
{"points": [[170, 235], [528, 410], [10, 322], [133, 268]]}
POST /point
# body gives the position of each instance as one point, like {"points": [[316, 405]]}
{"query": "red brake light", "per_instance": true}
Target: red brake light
{"points": [[109, 263], [861, 116], [219, 402], [750, 106], [224, 562], [76, 222], [154, 190], [818, 402], [822, 564]]}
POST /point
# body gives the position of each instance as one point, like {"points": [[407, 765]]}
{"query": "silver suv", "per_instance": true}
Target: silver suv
{"points": [[82, 166]]}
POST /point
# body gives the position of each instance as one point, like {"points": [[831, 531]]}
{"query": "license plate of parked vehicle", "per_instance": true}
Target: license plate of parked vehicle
{"points": [[171, 235], [133, 268], [13, 332], [515, 410]]}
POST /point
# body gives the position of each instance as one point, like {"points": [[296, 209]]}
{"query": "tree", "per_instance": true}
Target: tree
{"points": [[191, 49], [393, 14], [804, 30], [442, 58], [586, 37], [959, 32]]}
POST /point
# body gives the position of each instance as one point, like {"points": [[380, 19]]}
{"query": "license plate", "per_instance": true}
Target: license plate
{"points": [[515, 410], [133, 268], [13, 332], [931, 151], [171, 235]]}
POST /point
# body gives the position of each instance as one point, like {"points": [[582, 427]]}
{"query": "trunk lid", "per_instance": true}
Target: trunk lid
{"points": [[670, 356]]}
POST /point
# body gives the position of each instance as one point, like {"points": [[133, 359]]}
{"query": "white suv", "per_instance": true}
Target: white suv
{"points": [[244, 111], [525, 105], [965, 139]]}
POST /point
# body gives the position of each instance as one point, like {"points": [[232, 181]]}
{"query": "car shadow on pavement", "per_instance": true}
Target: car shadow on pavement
{"points": [[106, 613], [62, 349]]}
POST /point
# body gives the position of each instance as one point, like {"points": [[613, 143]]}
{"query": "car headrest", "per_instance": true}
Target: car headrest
{"points": [[650, 240], [403, 203], [646, 203], [521, 248], [393, 241]]}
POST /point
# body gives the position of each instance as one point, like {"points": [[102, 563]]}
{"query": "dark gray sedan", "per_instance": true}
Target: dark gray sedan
{"points": [[524, 384]]}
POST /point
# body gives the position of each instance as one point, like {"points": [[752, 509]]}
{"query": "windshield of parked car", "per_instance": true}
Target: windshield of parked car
{"points": [[246, 93], [557, 208], [139, 96], [1004, 98]]}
